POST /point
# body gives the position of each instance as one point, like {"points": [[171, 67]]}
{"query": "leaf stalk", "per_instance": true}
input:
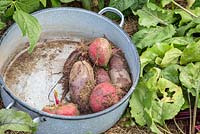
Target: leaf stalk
{"points": [[186, 10]]}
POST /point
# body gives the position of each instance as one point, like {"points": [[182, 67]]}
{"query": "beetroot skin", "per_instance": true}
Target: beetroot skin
{"points": [[102, 76], [118, 72], [69, 109], [103, 96], [100, 51], [117, 62], [81, 83]]}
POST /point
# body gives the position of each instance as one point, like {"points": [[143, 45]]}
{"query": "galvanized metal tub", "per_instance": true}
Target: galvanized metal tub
{"points": [[68, 22]]}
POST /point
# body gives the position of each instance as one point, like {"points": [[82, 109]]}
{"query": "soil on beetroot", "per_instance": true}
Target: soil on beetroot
{"points": [[81, 54]]}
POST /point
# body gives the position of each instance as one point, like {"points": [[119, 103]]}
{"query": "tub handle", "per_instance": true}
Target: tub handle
{"points": [[113, 10], [39, 119], [10, 105]]}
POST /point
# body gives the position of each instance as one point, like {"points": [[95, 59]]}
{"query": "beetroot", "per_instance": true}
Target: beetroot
{"points": [[69, 109], [100, 51], [103, 96], [81, 83], [120, 78], [118, 72], [117, 62], [49, 109], [102, 76]]}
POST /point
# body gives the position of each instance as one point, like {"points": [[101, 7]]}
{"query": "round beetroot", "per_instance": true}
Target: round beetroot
{"points": [[49, 109], [100, 51], [68, 109], [103, 96], [102, 76]]}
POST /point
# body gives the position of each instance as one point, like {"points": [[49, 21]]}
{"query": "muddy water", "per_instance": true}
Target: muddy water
{"points": [[31, 76]]}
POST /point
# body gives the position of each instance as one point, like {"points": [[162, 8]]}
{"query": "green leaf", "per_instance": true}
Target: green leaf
{"points": [[151, 83], [196, 11], [152, 124], [190, 77], [165, 2], [196, 4], [169, 102], [27, 5], [191, 53], [155, 100], [122, 4], [151, 15], [190, 3], [86, 4], [179, 42], [172, 100], [55, 3], [16, 121], [198, 103], [2, 25], [166, 106], [66, 1], [138, 5], [171, 73], [193, 30], [10, 11], [29, 26], [4, 4], [149, 112], [171, 57], [101, 4], [150, 36], [181, 31], [185, 17], [44, 2], [136, 103], [149, 56]]}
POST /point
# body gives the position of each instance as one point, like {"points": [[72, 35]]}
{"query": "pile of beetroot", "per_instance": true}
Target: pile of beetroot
{"points": [[96, 76]]}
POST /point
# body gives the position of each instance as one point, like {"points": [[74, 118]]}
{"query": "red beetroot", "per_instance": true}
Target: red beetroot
{"points": [[100, 51], [69, 109], [49, 109], [103, 96], [119, 72], [102, 76]]}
